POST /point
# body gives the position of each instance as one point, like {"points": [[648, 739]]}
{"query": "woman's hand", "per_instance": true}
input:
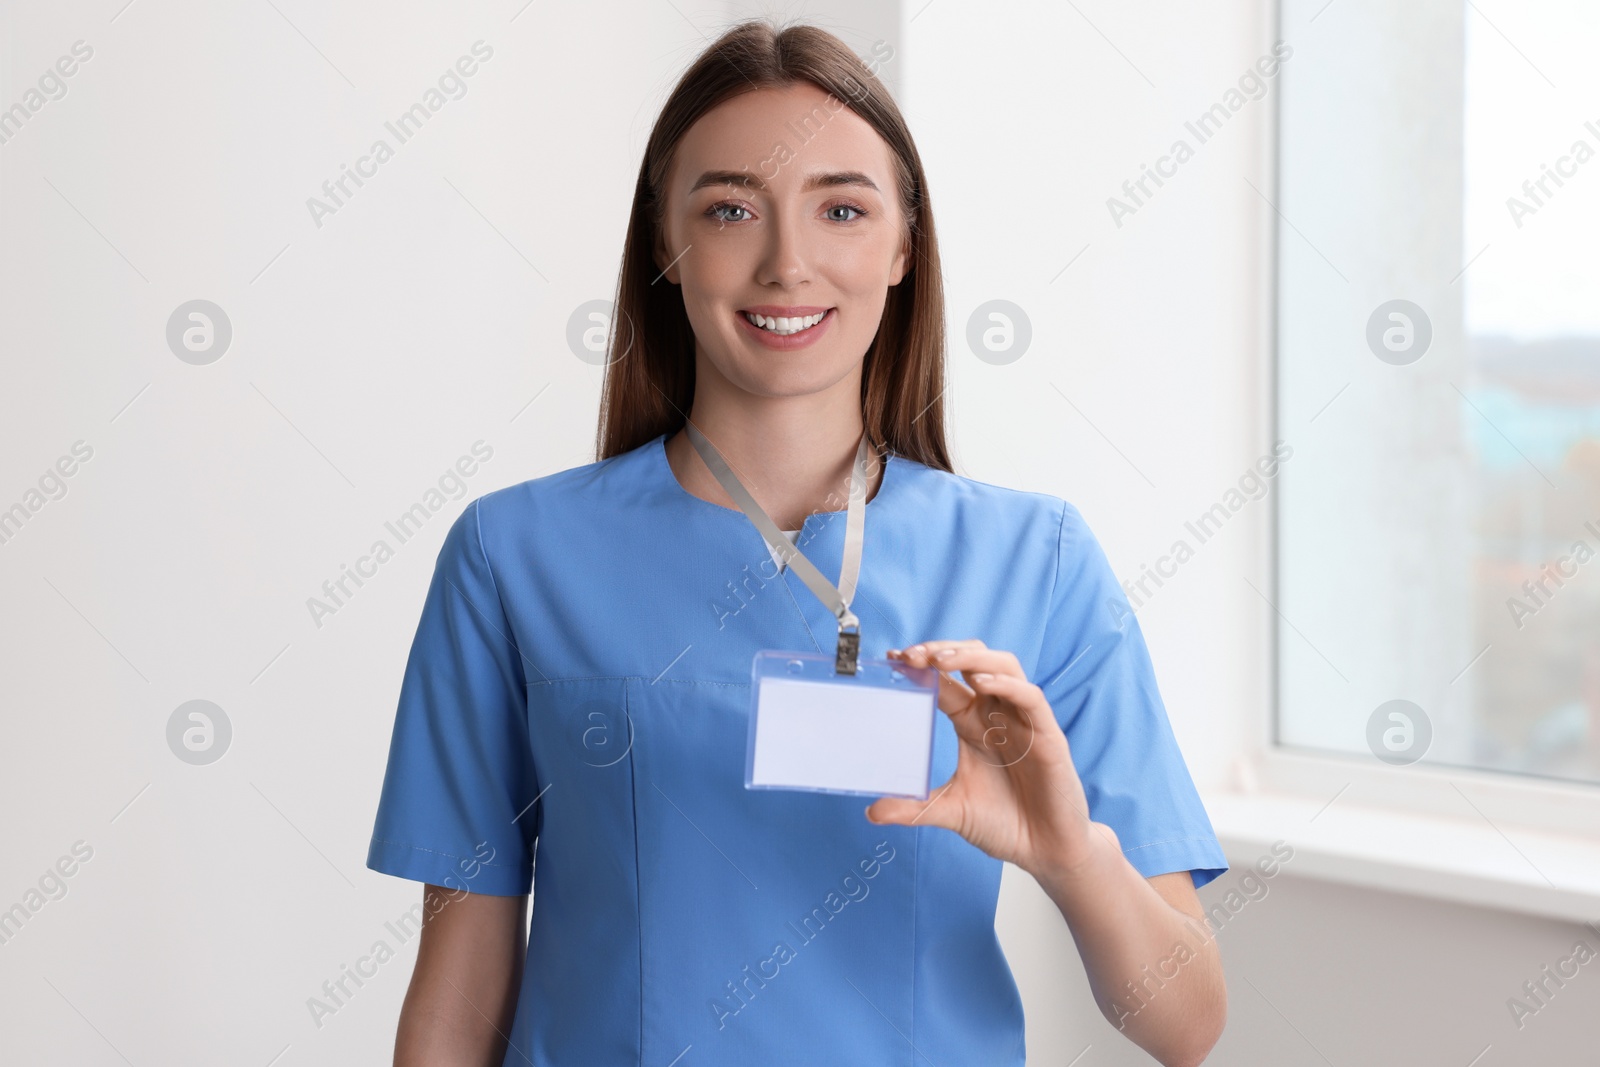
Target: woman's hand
{"points": [[1015, 793]]}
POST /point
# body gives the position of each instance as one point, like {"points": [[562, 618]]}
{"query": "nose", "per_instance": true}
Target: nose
{"points": [[786, 260]]}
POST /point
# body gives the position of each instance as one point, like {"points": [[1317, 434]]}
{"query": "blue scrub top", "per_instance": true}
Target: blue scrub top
{"points": [[577, 699]]}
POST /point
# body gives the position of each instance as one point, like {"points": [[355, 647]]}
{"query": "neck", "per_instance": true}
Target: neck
{"points": [[794, 454]]}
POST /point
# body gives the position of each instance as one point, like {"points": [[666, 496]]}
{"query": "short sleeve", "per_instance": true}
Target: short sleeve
{"points": [[457, 802], [1095, 670]]}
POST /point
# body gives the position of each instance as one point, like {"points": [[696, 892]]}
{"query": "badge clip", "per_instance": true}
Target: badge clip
{"points": [[849, 650]]}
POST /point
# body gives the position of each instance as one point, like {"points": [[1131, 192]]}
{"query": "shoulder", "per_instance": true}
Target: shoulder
{"points": [[560, 505], [969, 499], [1042, 538], [596, 488]]}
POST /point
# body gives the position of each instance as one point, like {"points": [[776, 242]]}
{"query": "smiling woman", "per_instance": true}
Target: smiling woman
{"points": [[792, 318], [813, 169]]}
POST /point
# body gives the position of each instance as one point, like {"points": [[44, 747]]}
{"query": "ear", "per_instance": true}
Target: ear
{"points": [[902, 263], [662, 260]]}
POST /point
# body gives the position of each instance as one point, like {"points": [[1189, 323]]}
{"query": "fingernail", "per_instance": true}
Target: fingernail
{"points": [[981, 677]]}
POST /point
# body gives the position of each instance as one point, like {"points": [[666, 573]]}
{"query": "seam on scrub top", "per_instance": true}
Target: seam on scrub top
{"points": [[1166, 841], [1055, 581], [446, 855], [522, 659], [638, 677], [638, 888], [527, 726], [804, 622], [477, 523], [916, 857]]}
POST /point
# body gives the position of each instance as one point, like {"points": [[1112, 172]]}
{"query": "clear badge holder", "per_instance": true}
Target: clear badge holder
{"points": [[815, 729]]}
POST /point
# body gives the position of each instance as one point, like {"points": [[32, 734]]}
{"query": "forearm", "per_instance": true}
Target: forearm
{"points": [[1154, 971], [459, 1008], [440, 1028]]}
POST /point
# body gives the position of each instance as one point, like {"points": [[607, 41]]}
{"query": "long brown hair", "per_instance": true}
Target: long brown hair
{"points": [[649, 383]]}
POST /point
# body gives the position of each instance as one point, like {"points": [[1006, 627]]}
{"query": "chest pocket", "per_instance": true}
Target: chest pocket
{"points": [[581, 738]]}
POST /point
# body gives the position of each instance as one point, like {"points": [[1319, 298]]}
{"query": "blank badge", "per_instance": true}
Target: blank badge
{"points": [[869, 733]]}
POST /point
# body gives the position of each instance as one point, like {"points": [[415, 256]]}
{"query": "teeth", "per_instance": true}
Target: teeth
{"points": [[781, 326]]}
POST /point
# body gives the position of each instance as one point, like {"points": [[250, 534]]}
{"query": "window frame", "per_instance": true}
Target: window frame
{"points": [[1556, 806]]}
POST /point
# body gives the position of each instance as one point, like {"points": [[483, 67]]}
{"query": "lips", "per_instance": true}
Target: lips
{"points": [[777, 311], [786, 342], [785, 324]]}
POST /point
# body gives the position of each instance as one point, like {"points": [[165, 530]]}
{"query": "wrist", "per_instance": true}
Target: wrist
{"points": [[1088, 863]]}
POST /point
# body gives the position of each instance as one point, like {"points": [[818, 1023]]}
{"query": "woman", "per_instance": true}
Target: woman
{"points": [[579, 686]]}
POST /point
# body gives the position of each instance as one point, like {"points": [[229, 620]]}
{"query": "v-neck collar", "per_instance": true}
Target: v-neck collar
{"points": [[657, 450], [821, 534]]}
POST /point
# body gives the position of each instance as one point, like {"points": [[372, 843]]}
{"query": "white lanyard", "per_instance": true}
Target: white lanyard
{"points": [[837, 599]]}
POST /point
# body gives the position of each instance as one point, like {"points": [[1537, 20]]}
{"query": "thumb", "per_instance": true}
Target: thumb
{"points": [[903, 811]]}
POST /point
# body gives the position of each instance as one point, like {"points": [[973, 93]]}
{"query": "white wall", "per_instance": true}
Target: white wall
{"points": [[425, 315]]}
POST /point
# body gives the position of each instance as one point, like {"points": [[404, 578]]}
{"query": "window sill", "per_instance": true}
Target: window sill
{"points": [[1468, 861]]}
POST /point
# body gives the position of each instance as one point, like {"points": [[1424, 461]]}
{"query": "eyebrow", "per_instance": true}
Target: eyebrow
{"points": [[815, 180]]}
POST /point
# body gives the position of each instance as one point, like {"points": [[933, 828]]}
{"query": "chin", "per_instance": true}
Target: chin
{"points": [[801, 378]]}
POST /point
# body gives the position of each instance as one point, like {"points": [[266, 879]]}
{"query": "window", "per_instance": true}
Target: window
{"points": [[1438, 378]]}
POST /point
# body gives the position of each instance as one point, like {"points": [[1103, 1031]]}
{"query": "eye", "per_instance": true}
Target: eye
{"points": [[846, 206], [715, 211]]}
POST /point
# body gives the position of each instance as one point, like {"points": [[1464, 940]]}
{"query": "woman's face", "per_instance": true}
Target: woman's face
{"points": [[782, 206]]}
